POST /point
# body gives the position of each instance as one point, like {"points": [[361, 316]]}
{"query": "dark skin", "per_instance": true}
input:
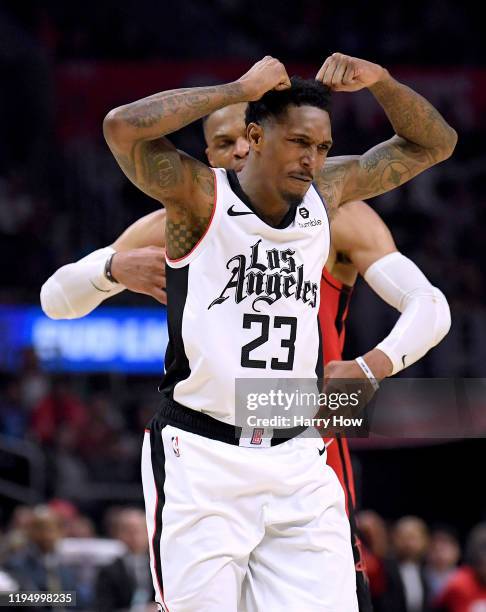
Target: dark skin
{"points": [[225, 134], [285, 155], [136, 136]]}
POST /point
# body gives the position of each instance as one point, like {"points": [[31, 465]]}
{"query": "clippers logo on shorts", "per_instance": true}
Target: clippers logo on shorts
{"points": [[257, 436], [175, 446], [269, 277]]}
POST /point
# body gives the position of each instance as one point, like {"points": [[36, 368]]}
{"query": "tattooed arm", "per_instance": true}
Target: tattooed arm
{"points": [[136, 134], [423, 138]]}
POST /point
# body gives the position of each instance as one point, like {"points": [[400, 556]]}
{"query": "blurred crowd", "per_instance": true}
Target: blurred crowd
{"points": [[53, 547], [431, 32], [80, 436], [411, 567]]}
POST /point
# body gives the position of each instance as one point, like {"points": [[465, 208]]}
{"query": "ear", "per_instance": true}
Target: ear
{"points": [[254, 135], [207, 155]]}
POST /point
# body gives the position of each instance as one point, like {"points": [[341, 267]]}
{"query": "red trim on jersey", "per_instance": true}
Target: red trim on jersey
{"points": [[332, 307], [333, 311], [209, 224]]}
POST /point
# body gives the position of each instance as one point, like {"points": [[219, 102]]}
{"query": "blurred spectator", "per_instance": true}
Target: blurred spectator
{"points": [[16, 535], [110, 521], [60, 411], [442, 558], [34, 384], [37, 567], [466, 589], [410, 540], [127, 582], [70, 475], [66, 512], [13, 415], [81, 527], [74, 524], [386, 587], [108, 448]]}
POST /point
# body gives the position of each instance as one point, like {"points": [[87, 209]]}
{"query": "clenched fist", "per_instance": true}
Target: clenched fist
{"points": [[345, 73], [142, 271], [265, 75]]}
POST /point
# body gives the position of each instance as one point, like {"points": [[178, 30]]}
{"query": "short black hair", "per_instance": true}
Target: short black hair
{"points": [[304, 92]]}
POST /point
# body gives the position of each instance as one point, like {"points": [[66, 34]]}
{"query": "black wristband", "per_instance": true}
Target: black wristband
{"points": [[107, 272]]}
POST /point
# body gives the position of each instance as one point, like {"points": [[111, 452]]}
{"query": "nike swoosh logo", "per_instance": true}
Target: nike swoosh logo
{"points": [[326, 445], [237, 213], [403, 359]]}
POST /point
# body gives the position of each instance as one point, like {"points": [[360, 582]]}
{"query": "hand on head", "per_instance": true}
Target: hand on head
{"points": [[263, 76]]}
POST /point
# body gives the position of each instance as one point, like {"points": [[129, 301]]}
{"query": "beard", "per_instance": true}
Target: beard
{"points": [[292, 199]]}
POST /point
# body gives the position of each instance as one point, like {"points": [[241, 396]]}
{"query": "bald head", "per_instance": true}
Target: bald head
{"points": [[225, 134], [374, 531], [410, 538], [45, 528], [131, 529]]}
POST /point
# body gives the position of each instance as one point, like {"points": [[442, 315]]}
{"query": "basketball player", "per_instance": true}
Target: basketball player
{"points": [[303, 178], [359, 241]]}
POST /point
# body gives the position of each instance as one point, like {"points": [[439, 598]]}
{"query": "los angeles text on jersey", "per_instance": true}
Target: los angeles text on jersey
{"points": [[270, 275]]}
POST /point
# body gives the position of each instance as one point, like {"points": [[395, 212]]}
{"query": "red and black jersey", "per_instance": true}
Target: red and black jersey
{"points": [[335, 297], [333, 311]]}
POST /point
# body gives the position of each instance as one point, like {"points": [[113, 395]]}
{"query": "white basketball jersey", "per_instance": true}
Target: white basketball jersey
{"points": [[244, 302]]}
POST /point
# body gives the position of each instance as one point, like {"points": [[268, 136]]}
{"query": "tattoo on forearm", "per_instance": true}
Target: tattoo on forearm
{"points": [[388, 165], [394, 174], [182, 105], [412, 116], [371, 161]]}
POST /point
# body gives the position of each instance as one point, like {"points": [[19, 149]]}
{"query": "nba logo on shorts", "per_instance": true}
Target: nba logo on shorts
{"points": [[257, 436], [175, 446]]}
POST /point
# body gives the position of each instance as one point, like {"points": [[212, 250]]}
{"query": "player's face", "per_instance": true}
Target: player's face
{"points": [[294, 148], [225, 133]]}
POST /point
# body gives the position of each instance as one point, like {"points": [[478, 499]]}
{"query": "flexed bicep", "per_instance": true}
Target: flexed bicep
{"points": [[380, 169]]}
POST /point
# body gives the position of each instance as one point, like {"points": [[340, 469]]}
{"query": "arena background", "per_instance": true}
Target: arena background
{"points": [[74, 397]]}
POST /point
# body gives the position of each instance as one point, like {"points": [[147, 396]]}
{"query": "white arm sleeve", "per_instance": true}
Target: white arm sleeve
{"points": [[78, 288], [425, 317]]}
